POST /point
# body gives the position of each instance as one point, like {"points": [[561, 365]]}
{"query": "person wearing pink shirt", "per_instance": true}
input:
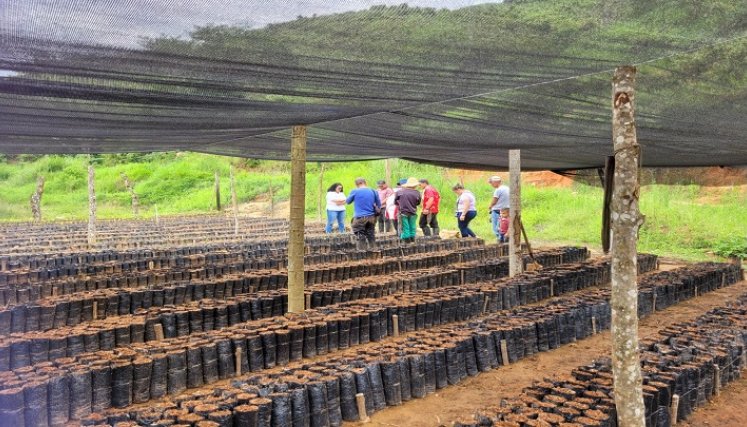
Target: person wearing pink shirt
{"points": [[384, 193]]}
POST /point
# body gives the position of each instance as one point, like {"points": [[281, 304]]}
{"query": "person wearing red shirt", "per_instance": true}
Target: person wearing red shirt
{"points": [[428, 216]]}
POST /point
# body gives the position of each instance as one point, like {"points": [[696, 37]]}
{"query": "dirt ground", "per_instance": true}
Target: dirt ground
{"points": [[443, 407]]}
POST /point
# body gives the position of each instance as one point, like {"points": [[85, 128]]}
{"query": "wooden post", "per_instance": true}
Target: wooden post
{"points": [[395, 325], [388, 173], [36, 199], [609, 169], [238, 361], [320, 206], [515, 264], [504, 352], [159, 331], [217, 191], [158, 219], [131, 189], [625, 220], [272, 198], [297, 208], [91, 207], [675, 408], [360, 400], [716, 380], [234, 204]]}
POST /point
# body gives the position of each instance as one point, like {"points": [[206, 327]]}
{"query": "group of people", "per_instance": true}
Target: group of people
{"points": [[397, 209], [498, 208]]}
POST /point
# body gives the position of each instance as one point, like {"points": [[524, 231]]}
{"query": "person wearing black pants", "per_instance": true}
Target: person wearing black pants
{"points": [[366, 206], [429, 215]]}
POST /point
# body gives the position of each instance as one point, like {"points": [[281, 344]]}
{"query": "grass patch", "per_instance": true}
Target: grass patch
{"points": [[687, 221]]}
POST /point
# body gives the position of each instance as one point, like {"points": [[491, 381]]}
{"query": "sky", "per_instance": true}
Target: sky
{"points": [[125, 22]]}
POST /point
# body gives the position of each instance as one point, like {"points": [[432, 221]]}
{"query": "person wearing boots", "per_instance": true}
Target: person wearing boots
{"points": [[431, 198], [408, 199], [366, 205]]}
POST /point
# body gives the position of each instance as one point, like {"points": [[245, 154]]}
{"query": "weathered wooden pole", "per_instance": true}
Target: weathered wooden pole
{"points": [[320, 206], [234, 204], [515, 264], [297, 208], [217, 191], [609, 177], [388, 173], [91, 206], [272, 198], [36, 199], [131, 189], [626, 219]]}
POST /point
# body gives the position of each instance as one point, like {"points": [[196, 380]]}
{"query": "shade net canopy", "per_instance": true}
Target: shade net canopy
{"points": [[449, 82]]}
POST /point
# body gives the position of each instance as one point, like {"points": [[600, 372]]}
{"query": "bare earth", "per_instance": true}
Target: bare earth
{"points": [[445, 406]]}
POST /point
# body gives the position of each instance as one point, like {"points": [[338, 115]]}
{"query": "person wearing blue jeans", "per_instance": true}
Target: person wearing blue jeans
{"points": [[366, 204], [335, 208], [500, 201], [466, 210]]}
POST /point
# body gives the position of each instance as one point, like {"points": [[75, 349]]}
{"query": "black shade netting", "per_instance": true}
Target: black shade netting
{"points": [[451, 82]]}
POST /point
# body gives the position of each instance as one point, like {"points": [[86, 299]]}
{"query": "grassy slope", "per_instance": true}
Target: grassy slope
{"points": [[677, 223]]}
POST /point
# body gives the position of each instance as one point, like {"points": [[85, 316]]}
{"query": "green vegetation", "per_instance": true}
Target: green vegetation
{"points": [[684, 221]]}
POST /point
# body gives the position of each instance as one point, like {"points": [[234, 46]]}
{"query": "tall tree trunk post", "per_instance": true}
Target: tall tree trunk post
{"points": [[515, 261], [217, 191], [131, 189], [626, 220], [234, 204], [320, 206], [36, 199], [297, 207], [91, 206]]}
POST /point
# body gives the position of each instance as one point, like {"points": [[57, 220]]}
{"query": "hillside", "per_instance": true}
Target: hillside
{"points": [[686, 220]]}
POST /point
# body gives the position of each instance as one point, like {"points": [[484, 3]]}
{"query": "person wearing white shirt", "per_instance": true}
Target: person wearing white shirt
{"points": [[499, 202], [335, 208], [466, 209]]}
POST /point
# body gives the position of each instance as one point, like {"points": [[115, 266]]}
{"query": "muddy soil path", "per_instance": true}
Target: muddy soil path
{"points": [[485, 389]]}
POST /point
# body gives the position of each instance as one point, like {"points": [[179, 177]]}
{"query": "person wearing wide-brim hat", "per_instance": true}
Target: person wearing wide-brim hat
{"points": [[408, 199]]}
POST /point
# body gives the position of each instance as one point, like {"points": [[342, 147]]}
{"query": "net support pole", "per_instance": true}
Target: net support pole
{"points": [[515, 265], [321, 191], [297, 208], [625, 222], [271, 192], [36, 199], [217, 191], [133, 196], [609, 176], [234, 203], [91, 206], [388, 172]]}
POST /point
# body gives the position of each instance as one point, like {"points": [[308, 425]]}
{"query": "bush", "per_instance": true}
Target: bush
{"points": [[734, 247]]}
